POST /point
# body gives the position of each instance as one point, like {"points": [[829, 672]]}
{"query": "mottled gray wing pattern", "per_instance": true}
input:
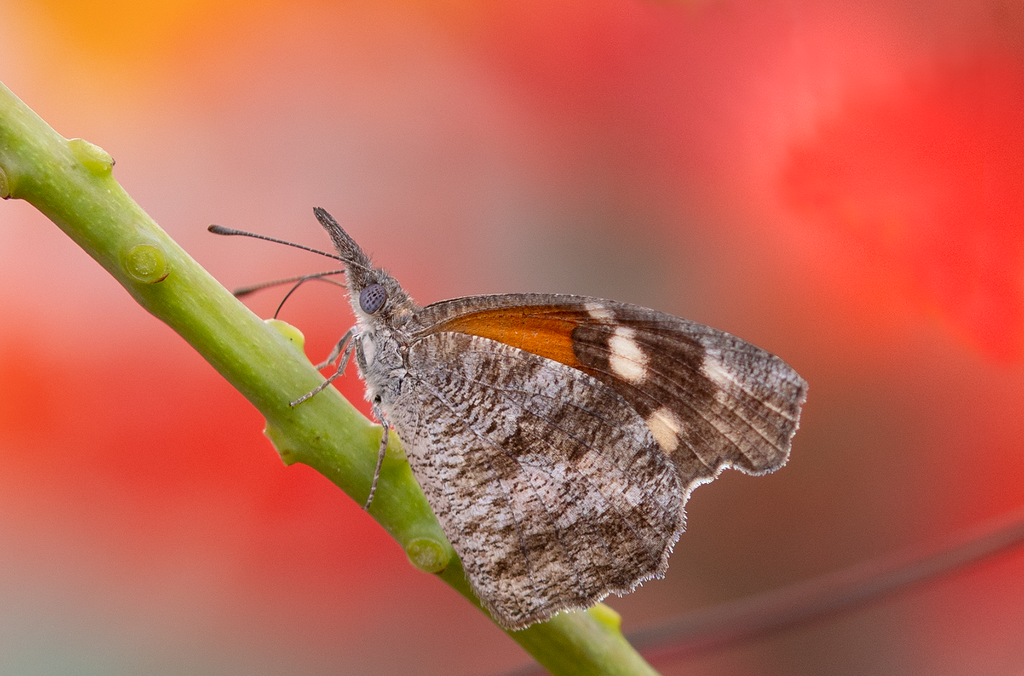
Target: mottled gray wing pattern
{"points": [[550, 486]]}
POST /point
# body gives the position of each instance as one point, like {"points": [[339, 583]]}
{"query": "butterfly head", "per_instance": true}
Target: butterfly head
{"points": [[377, 297]]}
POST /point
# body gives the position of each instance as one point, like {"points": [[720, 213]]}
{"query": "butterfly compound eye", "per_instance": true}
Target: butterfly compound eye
{"points": [[372, 298]]}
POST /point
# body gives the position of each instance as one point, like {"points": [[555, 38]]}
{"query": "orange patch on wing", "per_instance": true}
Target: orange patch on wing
{"points": [[539, 330]]}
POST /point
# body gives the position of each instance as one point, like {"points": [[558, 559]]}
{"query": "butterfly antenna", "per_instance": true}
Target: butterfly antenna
{"points": [[299, 281], [221, 230], [246, 290]]}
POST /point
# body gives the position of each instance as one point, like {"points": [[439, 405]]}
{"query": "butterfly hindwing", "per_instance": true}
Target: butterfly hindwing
{"points": [[551, 488]]}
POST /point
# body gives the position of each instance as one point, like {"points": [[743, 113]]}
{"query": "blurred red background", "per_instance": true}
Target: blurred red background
{"points": [[841, 184]]}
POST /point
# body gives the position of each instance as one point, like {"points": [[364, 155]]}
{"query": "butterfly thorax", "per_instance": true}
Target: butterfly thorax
{"points": [[381, 358]]}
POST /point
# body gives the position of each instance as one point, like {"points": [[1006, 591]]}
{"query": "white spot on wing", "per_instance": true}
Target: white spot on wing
{"points": [[599, 312], [717, 373], [665, 428], [627, 360]]}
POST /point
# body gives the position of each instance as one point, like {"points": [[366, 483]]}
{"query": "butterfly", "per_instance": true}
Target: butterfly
{"points": [[558, 437]]}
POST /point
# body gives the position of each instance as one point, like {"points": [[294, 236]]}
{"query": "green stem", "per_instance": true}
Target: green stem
{"points": [[70, 181]]}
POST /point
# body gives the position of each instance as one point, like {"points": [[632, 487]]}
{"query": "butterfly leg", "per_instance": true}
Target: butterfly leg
{"points": [[379, 415], [344, 349], [344, 343], [380, 454]]}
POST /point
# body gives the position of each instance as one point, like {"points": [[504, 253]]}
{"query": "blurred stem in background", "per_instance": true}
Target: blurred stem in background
{"points": [[70, 181]]}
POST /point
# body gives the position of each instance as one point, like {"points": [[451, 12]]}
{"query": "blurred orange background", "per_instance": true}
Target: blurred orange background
{"points": [[842, 184]]}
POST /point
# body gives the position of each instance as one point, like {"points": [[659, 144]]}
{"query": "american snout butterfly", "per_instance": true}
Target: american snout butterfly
{"points": [[558, 437]]}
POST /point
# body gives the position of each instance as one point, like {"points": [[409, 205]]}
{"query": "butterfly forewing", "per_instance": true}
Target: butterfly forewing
{"points": [[711, 400]]}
